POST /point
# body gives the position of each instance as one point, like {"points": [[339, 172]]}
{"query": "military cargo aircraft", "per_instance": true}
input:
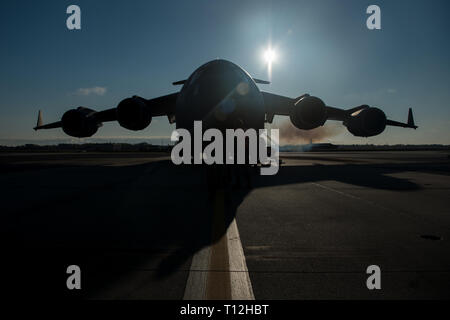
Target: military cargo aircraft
{"points": [[223, 95]]}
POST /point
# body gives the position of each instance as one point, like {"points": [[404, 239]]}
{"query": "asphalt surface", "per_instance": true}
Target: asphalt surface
{"points": [[133, 222]]}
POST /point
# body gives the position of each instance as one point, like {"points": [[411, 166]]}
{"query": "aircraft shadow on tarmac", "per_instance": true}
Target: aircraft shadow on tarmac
{"points": [[121, 223]]}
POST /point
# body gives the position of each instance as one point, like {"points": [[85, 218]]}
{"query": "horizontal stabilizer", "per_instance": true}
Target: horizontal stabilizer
{"points": [[261, 81], [180, 82], [176, 83]]}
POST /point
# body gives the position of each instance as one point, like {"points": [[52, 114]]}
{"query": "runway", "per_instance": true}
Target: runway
{"points": [[140, 227]]}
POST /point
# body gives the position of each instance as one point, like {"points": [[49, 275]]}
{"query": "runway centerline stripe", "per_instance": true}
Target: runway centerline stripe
{"points": [[218, 285], [241, 286], [219, 271]]}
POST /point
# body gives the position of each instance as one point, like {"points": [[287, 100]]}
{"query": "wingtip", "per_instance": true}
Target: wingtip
{"points": [[39, 121], [410, 121]]}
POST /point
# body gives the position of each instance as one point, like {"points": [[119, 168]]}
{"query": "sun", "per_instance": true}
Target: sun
{"points": [[270, 55]]}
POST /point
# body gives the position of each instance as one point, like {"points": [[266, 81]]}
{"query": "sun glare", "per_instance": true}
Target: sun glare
{"points": [[269, 55]]}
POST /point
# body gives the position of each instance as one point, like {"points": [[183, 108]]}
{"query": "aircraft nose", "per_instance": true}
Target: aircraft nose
{"points": [[242, 88], [225, 108], [222, 96], [229, 103]]}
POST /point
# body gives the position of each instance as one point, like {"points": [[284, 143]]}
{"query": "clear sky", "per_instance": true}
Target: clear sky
{"points": [[141, 47]]}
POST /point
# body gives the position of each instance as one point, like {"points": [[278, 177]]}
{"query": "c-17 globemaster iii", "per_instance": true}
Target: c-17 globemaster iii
{"points": [[224, 96]]}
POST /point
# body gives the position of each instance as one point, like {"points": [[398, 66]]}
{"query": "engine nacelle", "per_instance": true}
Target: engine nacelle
{"points": [[308, 113], [79, 122], [367, 123], [134, 114]]}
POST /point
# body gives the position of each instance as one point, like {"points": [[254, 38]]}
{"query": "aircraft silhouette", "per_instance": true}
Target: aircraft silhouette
{"points": [[223, 95]]}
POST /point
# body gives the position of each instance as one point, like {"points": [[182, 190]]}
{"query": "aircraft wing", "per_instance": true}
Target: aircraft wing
{"points": [[281, 105], [409, 124], [160, 106]]}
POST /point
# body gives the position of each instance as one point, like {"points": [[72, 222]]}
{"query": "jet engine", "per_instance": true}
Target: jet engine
{"points": [[79, 122], [134, 114], [367, 123], [308, 113]]}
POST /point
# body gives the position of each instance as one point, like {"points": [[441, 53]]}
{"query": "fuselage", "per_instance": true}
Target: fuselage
{"points": [[222, 95]]}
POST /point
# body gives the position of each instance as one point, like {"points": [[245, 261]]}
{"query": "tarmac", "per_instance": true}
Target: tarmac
{"points": [[140, 227]]}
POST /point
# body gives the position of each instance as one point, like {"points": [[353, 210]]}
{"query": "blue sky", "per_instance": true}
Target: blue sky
{"points": [[141, 47]]}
